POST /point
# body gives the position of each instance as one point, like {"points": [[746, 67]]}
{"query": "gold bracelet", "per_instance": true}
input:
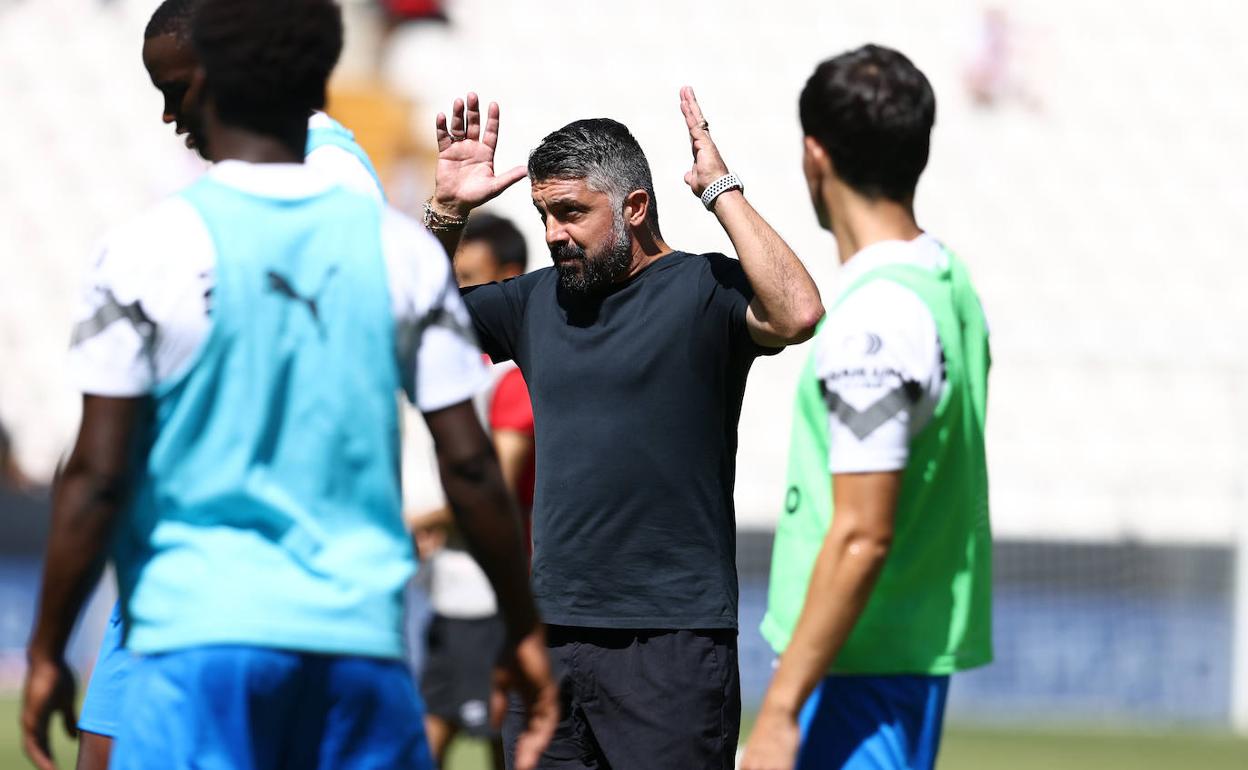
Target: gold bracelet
{"points": [[441, 223]]}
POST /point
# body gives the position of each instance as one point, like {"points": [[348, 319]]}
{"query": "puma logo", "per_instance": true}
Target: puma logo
{"points": [[281, 284]]}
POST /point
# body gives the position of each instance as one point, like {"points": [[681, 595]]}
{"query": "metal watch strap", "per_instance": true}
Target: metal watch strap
{"points": [[719, 187]]}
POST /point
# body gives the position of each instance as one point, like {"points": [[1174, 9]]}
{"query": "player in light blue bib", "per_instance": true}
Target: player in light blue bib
{"points": [[239, 348], [170, 60]]}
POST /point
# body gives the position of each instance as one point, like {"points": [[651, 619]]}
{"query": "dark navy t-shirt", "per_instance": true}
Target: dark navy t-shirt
{"points": [[636, 398]]}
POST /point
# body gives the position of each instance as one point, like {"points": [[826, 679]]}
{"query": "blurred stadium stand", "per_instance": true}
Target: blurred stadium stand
{"points": [[1095, 196]]}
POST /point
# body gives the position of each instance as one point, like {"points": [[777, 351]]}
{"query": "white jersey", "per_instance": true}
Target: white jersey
{"points": [[879, 358], [145, 311], [345, 168]]}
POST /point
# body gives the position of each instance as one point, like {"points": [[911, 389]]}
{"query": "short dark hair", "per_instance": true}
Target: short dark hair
{"points": [[266, 62], [172, 17], [602, 152], [872, 110], [503, 238]]}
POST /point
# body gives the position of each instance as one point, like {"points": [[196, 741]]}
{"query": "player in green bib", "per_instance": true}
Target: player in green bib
{"points": [[881, 575]]}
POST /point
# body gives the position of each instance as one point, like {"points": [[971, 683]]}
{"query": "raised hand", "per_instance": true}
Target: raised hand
{"points": [[465, 178], [707, 163]]}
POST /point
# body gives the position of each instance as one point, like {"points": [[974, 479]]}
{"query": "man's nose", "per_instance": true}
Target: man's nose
{"points": [[168, 117], [555, 232]]}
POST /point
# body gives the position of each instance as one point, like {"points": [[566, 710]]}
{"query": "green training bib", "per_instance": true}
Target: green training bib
{"points": [[931, 609]]}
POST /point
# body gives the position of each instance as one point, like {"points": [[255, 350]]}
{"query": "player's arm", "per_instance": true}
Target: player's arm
{"points": [[430, 530], [484, 511], [487, 517], [511, 423], [515, 450], [850, 561], [444, 371], [464, 177], [438, 517], [786, 305], [92, 488]]}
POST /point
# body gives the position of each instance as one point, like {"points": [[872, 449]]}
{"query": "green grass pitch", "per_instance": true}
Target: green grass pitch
{"points": [[965, 748]]}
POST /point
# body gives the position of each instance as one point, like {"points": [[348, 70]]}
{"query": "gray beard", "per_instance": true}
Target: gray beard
{"points": [[594, 274]]}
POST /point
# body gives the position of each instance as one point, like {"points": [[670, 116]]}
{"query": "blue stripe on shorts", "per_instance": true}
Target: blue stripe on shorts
{"points": [[873, 723], [101, 707]]}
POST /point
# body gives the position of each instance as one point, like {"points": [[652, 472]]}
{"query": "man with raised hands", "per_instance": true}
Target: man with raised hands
{"points": [[636, 355]]}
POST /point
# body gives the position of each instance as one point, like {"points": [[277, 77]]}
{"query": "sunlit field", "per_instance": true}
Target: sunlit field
{"points": [[965, 748]]}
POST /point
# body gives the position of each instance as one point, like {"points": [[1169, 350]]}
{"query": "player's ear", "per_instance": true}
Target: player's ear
{"points": [[815, 160], [636, 207], [196, 87]]}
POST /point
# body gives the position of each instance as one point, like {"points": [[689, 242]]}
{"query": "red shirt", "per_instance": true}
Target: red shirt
{"points": [[511, 409]]}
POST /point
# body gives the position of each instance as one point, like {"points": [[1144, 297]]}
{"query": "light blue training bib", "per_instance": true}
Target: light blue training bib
{"points": [[269, 509]]}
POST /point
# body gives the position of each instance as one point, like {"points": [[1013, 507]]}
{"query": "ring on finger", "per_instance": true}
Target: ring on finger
{"points": [[704, 126]]}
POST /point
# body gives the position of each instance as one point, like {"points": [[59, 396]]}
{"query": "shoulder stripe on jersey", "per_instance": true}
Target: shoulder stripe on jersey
{"points": [[864, 423], [109, 312]]}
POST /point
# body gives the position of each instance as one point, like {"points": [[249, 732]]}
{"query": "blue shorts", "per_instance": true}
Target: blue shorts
{"points": [[873, 723], [252, 708], [102, 704]]}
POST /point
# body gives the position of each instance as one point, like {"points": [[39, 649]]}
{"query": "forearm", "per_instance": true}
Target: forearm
{"points": [[486, 516], [449, 238], [438, 517], [84, 511], [786, 301], [845, 573], [446, 216], [515, 451]]}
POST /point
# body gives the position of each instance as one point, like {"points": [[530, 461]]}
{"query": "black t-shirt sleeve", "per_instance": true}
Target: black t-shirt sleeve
{"points": [[497, 310], [729, 290]]}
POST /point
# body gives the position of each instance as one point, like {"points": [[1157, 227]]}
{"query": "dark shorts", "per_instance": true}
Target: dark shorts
{"points": [[459, 662], [641, 700]]}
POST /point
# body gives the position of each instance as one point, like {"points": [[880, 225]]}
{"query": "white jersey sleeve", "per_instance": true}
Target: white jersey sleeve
{"points": [[438, 352], [346, 169], [879, 359], [143, 310]]}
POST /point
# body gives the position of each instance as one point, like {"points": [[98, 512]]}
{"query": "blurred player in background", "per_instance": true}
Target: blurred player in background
{"points": [[239, 350], [465, 631], [881, 575], [170, 61], [636, 356]]}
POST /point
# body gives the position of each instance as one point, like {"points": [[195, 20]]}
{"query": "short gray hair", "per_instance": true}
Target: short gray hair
{"points": [[602, 152]]}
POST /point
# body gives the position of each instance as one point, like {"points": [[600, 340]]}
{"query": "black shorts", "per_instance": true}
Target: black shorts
{"points": [[458, 665], [641, 700]]}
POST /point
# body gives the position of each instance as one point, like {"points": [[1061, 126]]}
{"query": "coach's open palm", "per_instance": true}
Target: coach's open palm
{"points": [[525, 670], [464, 178], [707, 163]]}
